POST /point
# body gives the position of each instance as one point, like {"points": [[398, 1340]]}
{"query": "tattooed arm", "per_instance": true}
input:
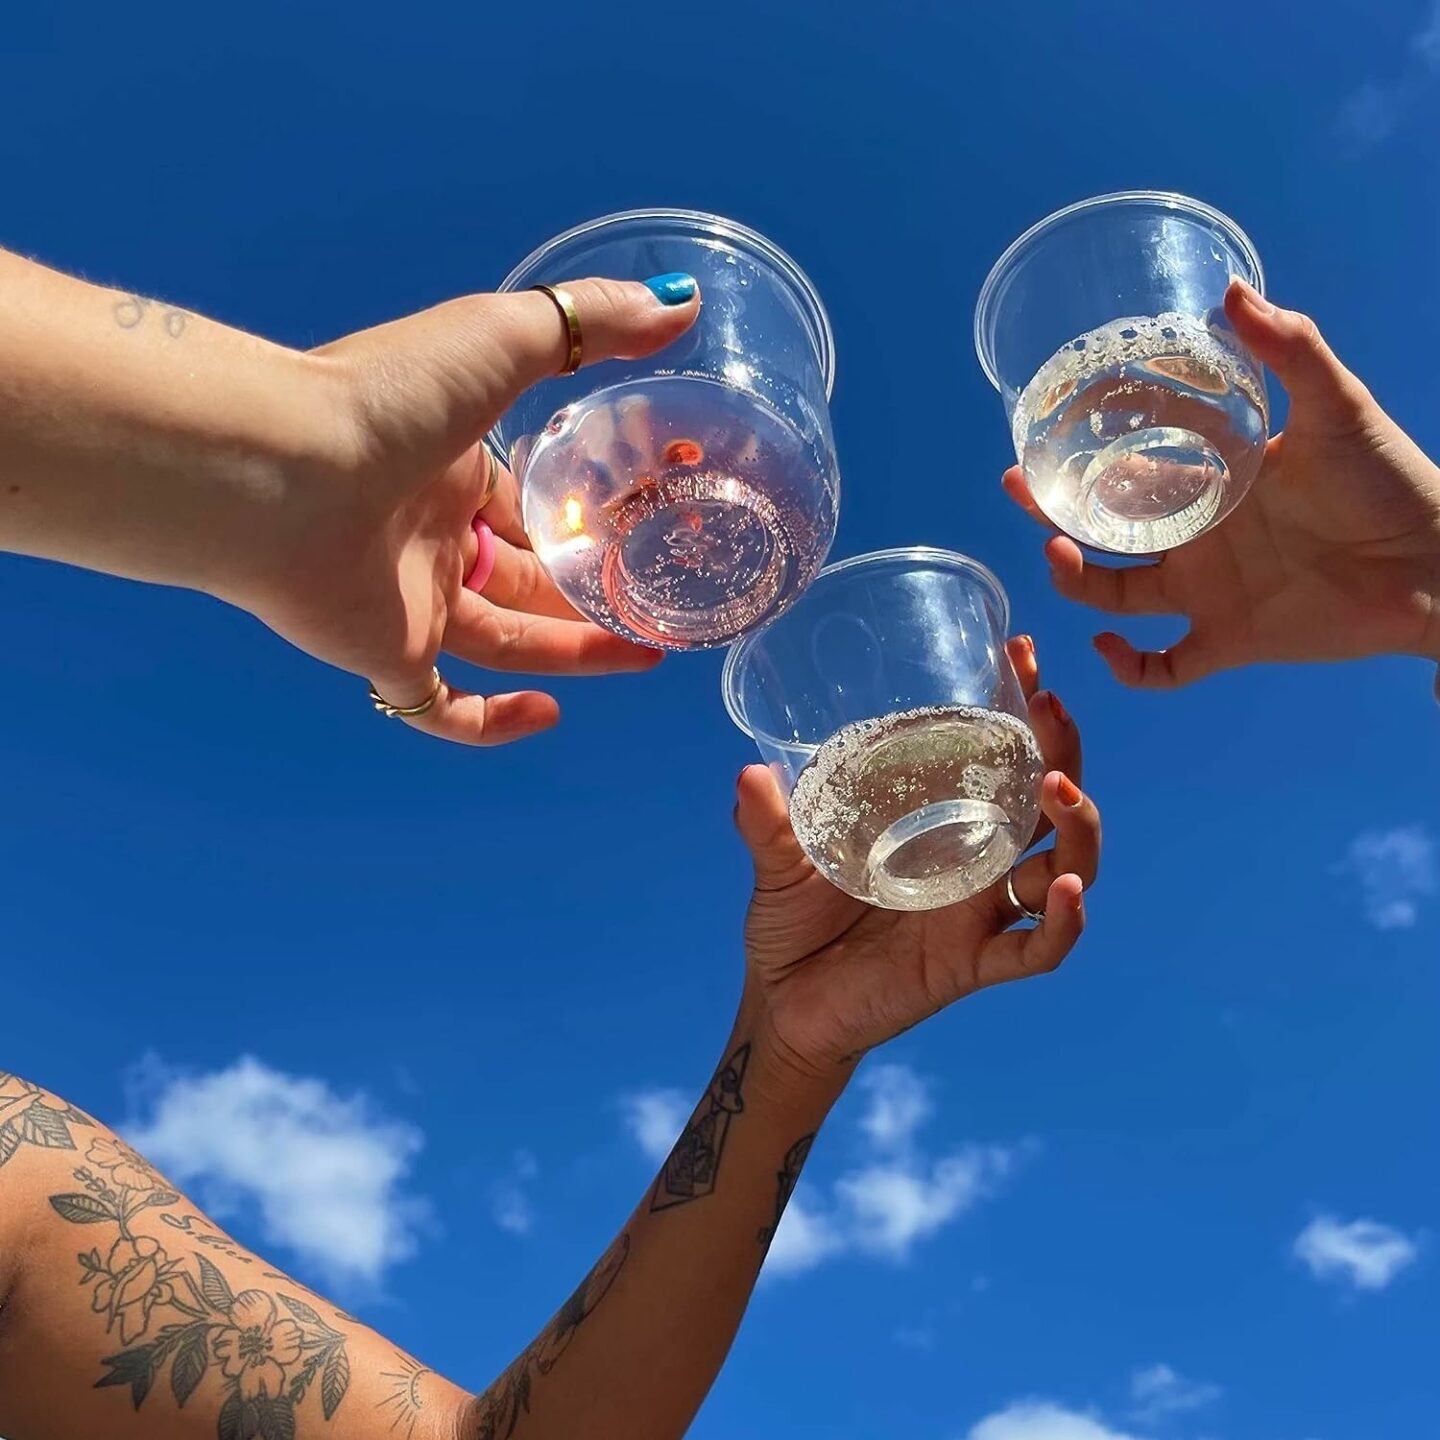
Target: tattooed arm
{"points": [[330, 493], [124, 1311]]}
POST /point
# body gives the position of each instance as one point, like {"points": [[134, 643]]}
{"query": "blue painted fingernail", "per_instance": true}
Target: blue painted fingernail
{"points": [[673, 289]]}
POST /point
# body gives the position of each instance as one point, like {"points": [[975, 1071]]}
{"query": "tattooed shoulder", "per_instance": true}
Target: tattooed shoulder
{"points": [[268, 1353], [32, 1116]]}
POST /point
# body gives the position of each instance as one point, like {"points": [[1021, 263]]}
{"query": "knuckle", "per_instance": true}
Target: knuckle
{"points": [[607, 301]]}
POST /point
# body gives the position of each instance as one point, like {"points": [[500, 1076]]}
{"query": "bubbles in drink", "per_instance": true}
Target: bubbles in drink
{"points": [[678, 511], [920, 809], [1138, 436]]}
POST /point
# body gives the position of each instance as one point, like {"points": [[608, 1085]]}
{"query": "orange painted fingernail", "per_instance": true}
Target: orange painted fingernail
{"points": [[1068, 791], [1057, 709]]}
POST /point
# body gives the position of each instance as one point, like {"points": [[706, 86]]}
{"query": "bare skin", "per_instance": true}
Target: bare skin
{"points": [[330, 494]]}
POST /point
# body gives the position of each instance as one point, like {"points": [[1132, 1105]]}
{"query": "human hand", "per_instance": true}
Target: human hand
{"points": [[367, 562], [1334, 553], [834, 977]]}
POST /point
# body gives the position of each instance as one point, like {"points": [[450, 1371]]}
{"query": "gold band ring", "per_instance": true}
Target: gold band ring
{"points": [[571, 316], [492, 477], [408, 712]]}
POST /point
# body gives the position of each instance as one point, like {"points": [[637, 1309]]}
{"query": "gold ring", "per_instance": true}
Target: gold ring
{"points": [[571, 316], [408, 712], [492, 477]]}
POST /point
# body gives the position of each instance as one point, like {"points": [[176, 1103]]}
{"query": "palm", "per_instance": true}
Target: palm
{"points": [[1306, 567], [881, 973]]}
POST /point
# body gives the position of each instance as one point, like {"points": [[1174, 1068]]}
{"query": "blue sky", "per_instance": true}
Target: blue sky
{"points": [[1185, 1189]]}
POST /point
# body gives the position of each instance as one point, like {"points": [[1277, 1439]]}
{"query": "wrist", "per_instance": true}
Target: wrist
{"points": [[780, 1076]]}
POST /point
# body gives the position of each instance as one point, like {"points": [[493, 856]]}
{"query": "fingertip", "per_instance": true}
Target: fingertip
{"points": [[1066, 558], [1117, 653]]}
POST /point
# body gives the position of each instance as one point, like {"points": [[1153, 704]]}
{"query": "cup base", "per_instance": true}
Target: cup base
{"points": [[1152, 489], [940, 854], [695, 559]]}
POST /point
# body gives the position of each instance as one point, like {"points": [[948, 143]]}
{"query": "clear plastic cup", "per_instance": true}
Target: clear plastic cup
{"points": [[1138, 416], [683, 499], [886, 706]]}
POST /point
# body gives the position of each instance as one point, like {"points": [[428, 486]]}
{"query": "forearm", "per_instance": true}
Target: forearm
{"points": [[636, 1349], [140, 439]]}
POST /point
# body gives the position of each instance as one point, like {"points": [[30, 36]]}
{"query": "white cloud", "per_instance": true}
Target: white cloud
{"points": [[1158, 1390], [806, 1238], [655, 1118], [323, 1171], [1363, 1253], [899, 1103], [1042, 1420], [1396, 870], [509, 1204], [896, 1196], [1377, 108], [890, 1200], [890, 1206]]}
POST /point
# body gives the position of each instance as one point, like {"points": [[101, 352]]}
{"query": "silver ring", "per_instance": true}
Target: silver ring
{"points": [[1025, 912]]}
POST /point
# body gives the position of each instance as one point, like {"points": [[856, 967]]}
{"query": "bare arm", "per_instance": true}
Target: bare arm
{"points": [[331, 494], [126, 1311]]}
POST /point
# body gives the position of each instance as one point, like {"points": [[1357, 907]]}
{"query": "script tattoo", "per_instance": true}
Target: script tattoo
{"points": [[32, 1116], [498, 1410], [178, 1311], [694, 1164], [786, 1180], [130, 311]]}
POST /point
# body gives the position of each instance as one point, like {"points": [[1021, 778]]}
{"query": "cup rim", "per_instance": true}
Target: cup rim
{"points": [[951, 559], [1168, 199], [809, 296]]}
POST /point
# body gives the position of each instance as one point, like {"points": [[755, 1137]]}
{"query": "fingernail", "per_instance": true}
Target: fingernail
{"points": [[1057, 709], [1252, 297], [673, 289], [1026, 641], [1068, 791]]}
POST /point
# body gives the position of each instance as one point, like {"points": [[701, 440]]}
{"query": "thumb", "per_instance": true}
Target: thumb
{"points": [[1292, 346], [763, 820], [619, 319]]}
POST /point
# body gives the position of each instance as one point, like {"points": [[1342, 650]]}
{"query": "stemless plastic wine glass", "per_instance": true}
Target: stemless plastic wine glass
{"points": [[886, 706], [683, 499], [1138, 416]]}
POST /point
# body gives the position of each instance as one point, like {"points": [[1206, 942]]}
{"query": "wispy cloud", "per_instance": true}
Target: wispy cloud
{"points": [[1396, 870], [655, 1119], [1158, 1391], [1375, 110], [1361, 1253], [1043, 1420], [891, 1199], [323, 1172], [899, 1103], [896, 1196], [509, 1203]]}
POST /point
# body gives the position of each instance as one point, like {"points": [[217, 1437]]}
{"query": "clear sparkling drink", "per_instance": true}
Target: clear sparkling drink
{"points": [[920, 809], [678, 511], [1139, 435]]}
